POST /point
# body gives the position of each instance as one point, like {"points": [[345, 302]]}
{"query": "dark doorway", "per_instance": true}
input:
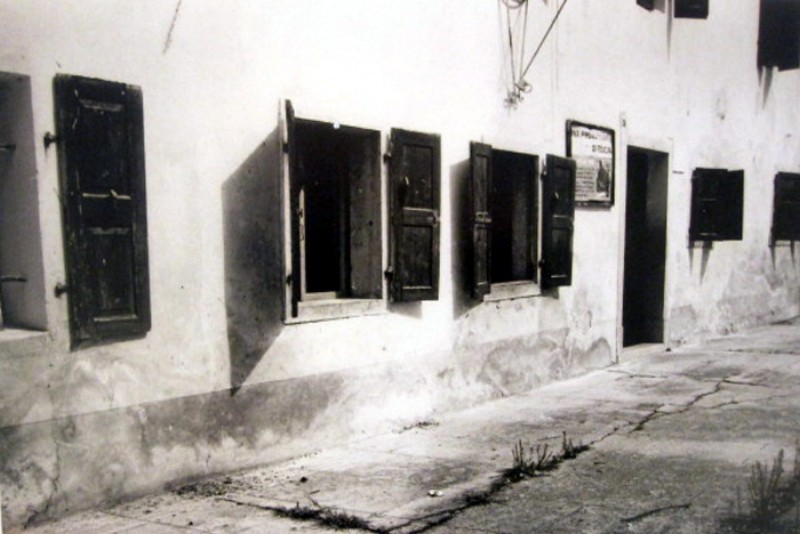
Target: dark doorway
{"points": [[645, 247]]}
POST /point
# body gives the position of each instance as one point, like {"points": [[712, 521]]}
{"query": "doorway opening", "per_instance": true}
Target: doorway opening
{"points": [[645, 247]]}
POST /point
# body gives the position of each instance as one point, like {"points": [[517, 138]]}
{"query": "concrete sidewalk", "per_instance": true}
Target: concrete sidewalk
{"points": [[686, 425]]}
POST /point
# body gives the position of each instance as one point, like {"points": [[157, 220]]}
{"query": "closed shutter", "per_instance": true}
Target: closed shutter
{"points": [[100, 125], [786, 208], [558, 213], [414, 178], [691, 9], [732, 213], [717, 205], [481, 183], [706, 204], [779, 34], [363, 168]]}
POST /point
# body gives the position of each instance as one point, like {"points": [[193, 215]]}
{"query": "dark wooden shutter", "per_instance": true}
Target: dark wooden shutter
{"points": [[732, 213], [779, 34], [786, 207], [101, 132], [558, 213], [481, 183], [290, 149], [717, 205], [647, 4], [414, 178], [691, 9], [706, 204], [364, 187]]}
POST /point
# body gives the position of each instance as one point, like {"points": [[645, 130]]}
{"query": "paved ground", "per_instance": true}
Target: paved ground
{"points": [[673, 438]]}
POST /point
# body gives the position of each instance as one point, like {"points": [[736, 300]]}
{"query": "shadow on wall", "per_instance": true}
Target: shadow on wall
{"points": [[461, 250], [706, 254], [251, 210]]}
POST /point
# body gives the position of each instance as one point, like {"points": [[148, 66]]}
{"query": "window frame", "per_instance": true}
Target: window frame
{"points": [[301, 305]]}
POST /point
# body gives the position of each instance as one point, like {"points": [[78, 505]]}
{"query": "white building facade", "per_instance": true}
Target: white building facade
{"points": [[233, 233]]}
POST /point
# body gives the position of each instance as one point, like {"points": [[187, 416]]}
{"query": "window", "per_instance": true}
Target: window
{"points": [[786, 207], [691, 9], [335, 202], [717, 205], [101, 157], [505, 219], [22, 292], [779, 34]]}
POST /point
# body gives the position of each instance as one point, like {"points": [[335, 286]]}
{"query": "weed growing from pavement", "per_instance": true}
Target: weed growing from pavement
{"points": [[328, 517], [538, 459], [772, 494]]}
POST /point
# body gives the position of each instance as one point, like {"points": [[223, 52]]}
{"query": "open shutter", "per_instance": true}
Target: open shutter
{"points": [[558, 213], [100, 126], [706, 204], [786, 208], [414, 178], [481, 183], [290, 149], [732, 210]]}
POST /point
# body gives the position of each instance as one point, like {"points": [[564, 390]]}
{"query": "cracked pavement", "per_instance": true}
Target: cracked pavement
{"points": [[673, 437]]}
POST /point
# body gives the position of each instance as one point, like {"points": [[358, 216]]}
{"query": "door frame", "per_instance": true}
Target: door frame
{"points": [[665, 146]]}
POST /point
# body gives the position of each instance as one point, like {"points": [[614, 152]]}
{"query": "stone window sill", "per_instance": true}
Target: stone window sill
{"points": [[513, 290], [21, 343], [330, 309]]}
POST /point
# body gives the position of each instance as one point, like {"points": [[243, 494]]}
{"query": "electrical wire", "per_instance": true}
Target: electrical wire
{"points": [[544, 38]]}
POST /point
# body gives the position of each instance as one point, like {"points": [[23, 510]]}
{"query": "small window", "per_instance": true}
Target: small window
{"points": [[691, 9], [505, 219], [101, 155], [786, 207], [717, 205], [335, 203], [779, 34]]}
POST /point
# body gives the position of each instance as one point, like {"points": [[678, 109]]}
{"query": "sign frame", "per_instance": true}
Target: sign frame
{"points": [[591, 169]]}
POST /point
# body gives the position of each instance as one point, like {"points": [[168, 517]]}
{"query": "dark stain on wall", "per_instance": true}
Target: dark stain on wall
{"points": [[252, 241]]}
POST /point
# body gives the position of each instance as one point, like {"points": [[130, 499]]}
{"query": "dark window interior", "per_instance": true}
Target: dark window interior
{"points": [[717, 205], [513, 208]]}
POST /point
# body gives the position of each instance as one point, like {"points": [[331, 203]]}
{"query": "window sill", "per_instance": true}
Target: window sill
{"points": [[20, 343], [330, 309], [513, 290]]}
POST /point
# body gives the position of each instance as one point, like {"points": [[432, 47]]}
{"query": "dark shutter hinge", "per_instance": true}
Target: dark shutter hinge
{"points": [[389, 272], [387, 157], [49, 139], [285, 148], [289, 279], [61, 289]]}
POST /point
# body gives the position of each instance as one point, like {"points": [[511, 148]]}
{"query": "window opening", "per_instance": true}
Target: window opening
{"points": [[337, 176], [513, 205], [786, 207], [22, 292]]}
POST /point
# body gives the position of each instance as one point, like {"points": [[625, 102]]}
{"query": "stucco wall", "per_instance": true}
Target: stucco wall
{"points": [[221, 381]]}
